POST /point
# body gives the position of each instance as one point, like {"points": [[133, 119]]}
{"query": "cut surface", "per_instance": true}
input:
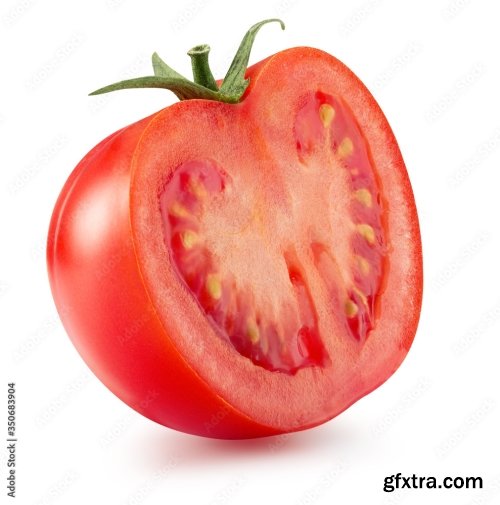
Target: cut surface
{"points": [[281, 247]]}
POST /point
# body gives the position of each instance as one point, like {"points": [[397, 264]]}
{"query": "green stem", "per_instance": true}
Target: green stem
{"points": [[204, 85], [201, 69]]}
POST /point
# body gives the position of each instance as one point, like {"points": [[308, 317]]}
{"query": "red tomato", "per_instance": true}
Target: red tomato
{"points": [[237, 270]]}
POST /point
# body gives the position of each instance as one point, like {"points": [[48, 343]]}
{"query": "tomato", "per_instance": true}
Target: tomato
{"points": [[247, 261]]}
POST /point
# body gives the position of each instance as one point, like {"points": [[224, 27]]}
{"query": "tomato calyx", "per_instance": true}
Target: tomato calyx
{"points": [[203, 85]]}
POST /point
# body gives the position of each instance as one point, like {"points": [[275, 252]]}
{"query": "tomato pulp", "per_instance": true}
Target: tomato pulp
{"points": [[237, 270]]}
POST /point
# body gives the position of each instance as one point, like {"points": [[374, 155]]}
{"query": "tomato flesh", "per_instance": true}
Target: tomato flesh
{"points": [[325, 122], [285, 339]]}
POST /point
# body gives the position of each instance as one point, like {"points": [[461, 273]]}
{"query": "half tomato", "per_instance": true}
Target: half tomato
{"points": [[245, 262]]}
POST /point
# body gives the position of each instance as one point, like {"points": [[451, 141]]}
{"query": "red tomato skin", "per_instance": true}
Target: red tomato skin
{"points": [[105, 307]]}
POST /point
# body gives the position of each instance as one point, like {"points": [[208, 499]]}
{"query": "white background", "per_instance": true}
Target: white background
{"points": [[434, 68]]}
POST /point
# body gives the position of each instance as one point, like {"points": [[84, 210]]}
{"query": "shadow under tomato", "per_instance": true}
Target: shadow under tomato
{"points": [[159, 445]]}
